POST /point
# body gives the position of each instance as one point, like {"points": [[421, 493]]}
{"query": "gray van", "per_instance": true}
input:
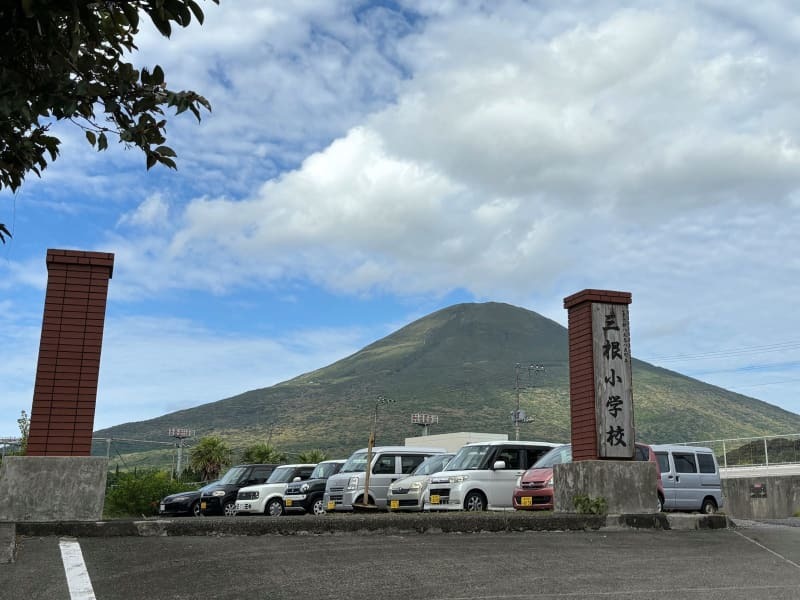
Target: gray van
{"points": [[389, 463], [690, 476]]}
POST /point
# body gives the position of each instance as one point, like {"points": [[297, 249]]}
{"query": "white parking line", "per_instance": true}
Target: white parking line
{"points": [[762, 546], [80, 586]]}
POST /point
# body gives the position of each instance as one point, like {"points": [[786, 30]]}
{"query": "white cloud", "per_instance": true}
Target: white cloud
{"points": [[153, 212]]}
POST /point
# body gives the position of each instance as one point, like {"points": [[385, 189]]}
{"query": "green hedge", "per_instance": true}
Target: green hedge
{"points": [[138, 493]]}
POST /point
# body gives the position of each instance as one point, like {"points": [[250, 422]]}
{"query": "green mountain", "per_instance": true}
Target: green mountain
{"points": [[460, 364]]}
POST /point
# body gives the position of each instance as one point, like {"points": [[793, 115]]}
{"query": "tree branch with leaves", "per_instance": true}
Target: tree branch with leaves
{"points": [[65, 60]]}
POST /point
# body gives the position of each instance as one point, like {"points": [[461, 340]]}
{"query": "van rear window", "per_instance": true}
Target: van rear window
{"points": [[706, 462]]}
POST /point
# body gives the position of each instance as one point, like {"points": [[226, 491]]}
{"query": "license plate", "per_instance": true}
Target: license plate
{"points": [[434, 498], [394, 504], [331, 505], [287, 502], [161, 508], [202, 506], [526, 501]]}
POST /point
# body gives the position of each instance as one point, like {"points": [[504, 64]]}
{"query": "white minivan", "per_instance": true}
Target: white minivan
{"points": [[482, 475], [690, 476], [389, 463]]}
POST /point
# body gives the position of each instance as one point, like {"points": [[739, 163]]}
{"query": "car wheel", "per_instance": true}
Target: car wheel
{"points": [[709, 507], [660, 503], [318, 507], [275, 507], [195, 510], [229, 509], [475, 502]]}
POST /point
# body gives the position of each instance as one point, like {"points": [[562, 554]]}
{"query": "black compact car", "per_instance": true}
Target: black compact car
{"points": [[183, 503], [220, 498], [306, 496]]}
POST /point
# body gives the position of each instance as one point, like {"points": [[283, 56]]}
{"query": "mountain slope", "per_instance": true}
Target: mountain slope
{"points": [[460, 363]]}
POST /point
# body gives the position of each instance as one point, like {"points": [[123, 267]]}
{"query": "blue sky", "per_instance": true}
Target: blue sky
{"points": [[368, 163]]}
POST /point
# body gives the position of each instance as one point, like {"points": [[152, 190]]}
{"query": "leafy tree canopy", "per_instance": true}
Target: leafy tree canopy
{"points": [[210, 456], [262, 453], [65, 59]]}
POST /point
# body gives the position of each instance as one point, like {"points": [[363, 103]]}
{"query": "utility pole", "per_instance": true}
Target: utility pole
{"points": [[380, 400], [180, 433], [518, 416]]}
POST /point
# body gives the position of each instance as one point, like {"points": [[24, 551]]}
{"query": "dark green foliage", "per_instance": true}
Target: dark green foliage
{"points": [[138, 493], [459, 363], [262, 453], [586, 505], [210, 456], [65, 59]]}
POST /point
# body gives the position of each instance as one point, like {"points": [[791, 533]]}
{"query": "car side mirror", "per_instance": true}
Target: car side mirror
{"points": [[296, 479], [499, 465]]}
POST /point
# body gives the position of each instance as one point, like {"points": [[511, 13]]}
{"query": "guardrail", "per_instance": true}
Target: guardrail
{"points": [[761, 451]]}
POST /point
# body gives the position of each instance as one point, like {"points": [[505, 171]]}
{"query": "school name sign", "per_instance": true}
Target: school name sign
{"points": [[601, 390], [611, 339]]}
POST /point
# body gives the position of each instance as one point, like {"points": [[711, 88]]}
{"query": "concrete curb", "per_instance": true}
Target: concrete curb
{"points": [[365, 524], [8, 545]]}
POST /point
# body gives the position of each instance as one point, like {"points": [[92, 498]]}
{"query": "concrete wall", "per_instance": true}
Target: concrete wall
{"points": [[628, 486], [452, 442], [762, 497], [52, 488]]}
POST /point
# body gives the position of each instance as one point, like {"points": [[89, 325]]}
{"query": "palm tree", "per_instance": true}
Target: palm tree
{"points": [[262, 453], [312, 456], [209, 456]]}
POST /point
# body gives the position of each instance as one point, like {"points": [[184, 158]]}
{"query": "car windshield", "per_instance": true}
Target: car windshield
{"points": [[469, 457], [356, 463], [233, 475], [323, 470], [557, 456], [281, 475], [432, 465]]}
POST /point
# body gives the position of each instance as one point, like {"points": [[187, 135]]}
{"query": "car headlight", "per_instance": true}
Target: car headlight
{"points": [[519, 481], [218, 493], [352, 484], [458, 478], [417, 485], [180, 499], [304, 488], [549, 483]]}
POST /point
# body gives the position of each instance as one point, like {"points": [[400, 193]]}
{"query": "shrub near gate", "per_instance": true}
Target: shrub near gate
{"points": [[137, 493]]}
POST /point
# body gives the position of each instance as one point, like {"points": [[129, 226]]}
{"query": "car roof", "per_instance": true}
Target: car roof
{"points": [[514, 442], [409, 449], [679, 448]]}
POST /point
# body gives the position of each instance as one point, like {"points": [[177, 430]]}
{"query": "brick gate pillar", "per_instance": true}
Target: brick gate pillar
{"points": [[65, 392], [600, 395]]}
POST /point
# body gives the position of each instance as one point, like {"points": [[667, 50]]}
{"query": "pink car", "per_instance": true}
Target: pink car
{"points": [[534, 490]]}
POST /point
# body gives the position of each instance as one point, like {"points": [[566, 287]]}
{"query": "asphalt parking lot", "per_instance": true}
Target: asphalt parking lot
{"points": [[754, 560]]}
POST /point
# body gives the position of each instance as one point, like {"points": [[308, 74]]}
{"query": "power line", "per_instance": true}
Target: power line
{"points": [[741, 351]]}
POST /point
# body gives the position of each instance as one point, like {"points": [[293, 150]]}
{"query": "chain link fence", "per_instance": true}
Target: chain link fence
{"points": [[129, 454]]}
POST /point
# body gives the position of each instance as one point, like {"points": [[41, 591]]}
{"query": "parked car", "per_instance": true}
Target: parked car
{"points": [[690, 476], [183, 503], [534, 490], [410, 493], [267, 498], [482, 475], [220, 498], [389, 463], [307, 496]]}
